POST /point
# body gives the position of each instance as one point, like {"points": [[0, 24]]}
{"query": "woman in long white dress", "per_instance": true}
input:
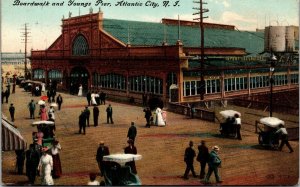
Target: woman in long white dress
{"points": [[159, 118], [43, 87], [45, 167], [93, 99], [80, 90]]}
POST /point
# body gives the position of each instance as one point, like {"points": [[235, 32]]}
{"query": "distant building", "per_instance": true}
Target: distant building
{"points": [[128, 58], [13, 63]]}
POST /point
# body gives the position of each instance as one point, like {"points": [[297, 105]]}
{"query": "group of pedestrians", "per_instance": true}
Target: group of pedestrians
{"points": [[84, 117], [40, 161], [104, 151], [130, 149], [51, 93], [96, 98], [204, 157]]}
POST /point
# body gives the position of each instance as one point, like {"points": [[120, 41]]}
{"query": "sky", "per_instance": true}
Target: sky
{"points": [[44, 22]]}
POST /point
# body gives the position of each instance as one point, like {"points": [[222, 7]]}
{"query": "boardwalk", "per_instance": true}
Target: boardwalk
{"points": [[162, 148]]}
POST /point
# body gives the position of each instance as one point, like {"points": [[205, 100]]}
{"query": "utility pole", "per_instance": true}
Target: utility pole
{"points": [[201, 11], [25, 36]]}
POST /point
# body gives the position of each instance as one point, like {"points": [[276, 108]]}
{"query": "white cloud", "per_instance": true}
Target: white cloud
{"points": [[189, 17], [226, 3], [230, 17]]}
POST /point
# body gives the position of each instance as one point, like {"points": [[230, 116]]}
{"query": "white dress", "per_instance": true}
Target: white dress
{"points": [[45, 167], [80, 91], [43, 87], [51, 111], [159, 118], [93, 98]]}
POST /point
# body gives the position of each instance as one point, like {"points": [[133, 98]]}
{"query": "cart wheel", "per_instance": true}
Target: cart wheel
{"points": [[260, 139]]}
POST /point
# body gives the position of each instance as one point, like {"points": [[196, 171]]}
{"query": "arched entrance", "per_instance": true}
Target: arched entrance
{"points": [[78, 75]]}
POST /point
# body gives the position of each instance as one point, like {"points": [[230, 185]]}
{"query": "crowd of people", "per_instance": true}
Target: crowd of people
{"points": [[212, 159], [45, 160], [95, 97], [84, 117]]}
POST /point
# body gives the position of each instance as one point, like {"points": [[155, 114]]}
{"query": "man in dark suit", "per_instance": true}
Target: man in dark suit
{"points": [[49, 95], [148, 115], [131, 149], [189, 160], [102, 151], [12, 112], [202, 157], [53, 94], [32, 162], [7, 93], [131, 134], [95, 115], [109, 114], [88, 98], [87, 113], [59, 101], [82, 122]]}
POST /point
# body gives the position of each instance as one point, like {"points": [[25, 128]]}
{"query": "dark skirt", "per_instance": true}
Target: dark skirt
{"points": [[57, 171]]}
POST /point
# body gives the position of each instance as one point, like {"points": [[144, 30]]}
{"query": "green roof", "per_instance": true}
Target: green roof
{"points": [[210, 63], [152, 34]]}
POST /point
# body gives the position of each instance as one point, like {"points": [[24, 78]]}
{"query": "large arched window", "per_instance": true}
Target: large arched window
{"points": [[80, 46], [55, 75], [38, 74]]}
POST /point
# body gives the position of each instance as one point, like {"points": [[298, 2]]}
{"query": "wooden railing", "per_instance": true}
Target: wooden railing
{"points": [[185, 110]]}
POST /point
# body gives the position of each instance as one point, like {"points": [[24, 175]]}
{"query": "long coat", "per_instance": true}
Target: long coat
{"points": [[32, 162], [131, 134], [102, 152], [189, 155], [203, 154], [95, 115], [82, 119]]}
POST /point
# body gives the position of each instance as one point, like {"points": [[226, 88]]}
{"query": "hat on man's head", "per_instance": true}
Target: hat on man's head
{"points": [[130, 141], [216, 148]]}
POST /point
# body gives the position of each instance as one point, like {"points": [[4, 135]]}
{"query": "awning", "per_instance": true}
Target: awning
{"points": [[11, 137]]}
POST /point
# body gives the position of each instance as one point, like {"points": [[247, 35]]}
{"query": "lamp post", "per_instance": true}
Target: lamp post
{"points": [[273, 60]]}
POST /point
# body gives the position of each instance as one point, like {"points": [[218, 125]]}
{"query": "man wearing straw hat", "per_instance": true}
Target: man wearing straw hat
{"points": [[214, 163]]}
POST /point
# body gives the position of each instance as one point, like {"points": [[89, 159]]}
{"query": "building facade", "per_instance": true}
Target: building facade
{"points": [[129, 58], [13, 64]]}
